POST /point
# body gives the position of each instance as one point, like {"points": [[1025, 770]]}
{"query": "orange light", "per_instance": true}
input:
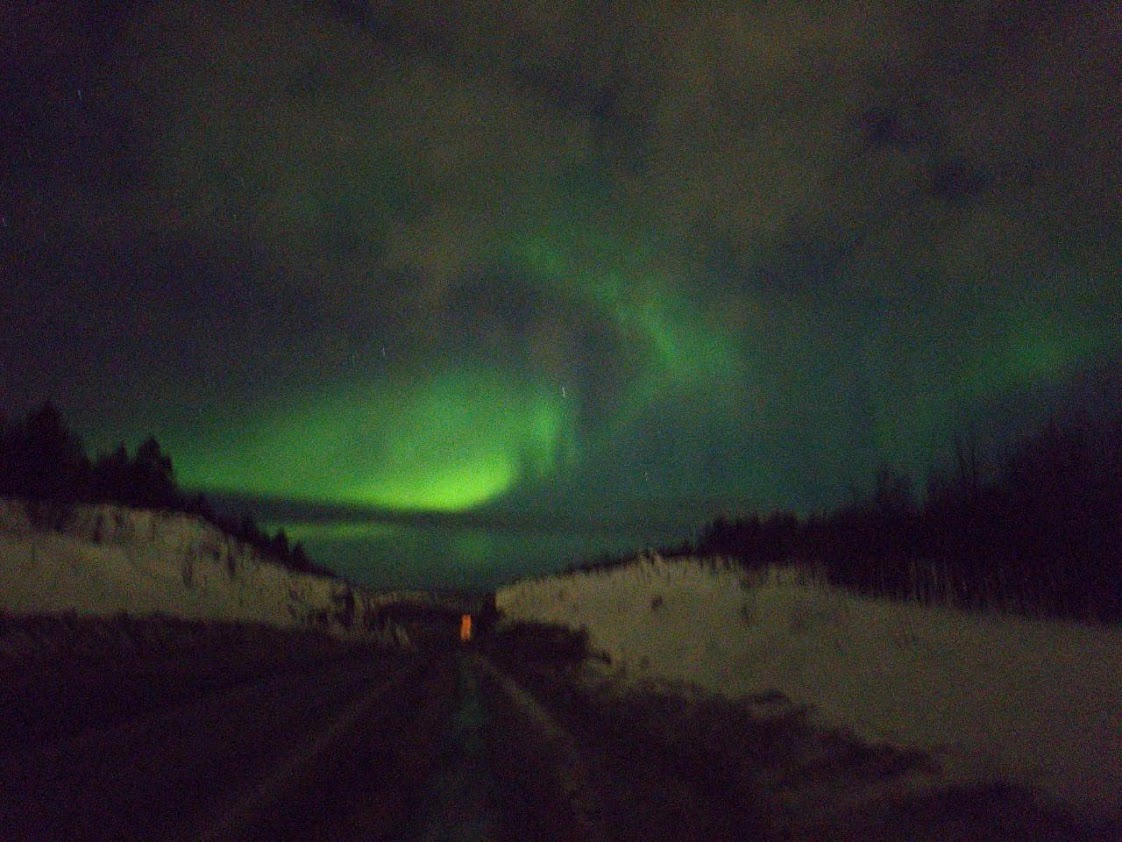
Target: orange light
{"points": [[465, 628]]}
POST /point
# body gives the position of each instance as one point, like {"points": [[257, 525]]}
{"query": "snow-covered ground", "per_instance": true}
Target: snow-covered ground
{"points": [[109, 559], [1034, 702]]}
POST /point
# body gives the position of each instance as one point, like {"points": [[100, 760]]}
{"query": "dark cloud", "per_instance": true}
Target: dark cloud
{"points": [[645, 260]]}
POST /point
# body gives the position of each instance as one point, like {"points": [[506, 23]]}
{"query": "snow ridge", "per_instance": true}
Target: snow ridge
{"points": [[109, 559], [1036, 702]]}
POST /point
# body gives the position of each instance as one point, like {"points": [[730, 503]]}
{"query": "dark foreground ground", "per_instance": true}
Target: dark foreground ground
{"points": [[157, 729]]}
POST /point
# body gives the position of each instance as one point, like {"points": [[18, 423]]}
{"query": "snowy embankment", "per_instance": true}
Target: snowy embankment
{"points": [[1034, 702], [109, 560]]}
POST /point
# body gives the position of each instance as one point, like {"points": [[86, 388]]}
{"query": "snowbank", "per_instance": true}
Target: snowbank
{"points": [[1036, 702], [109, 559]]}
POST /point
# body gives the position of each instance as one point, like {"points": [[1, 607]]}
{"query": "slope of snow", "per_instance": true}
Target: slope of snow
{"points": [[1036, 702], [110, 559]]}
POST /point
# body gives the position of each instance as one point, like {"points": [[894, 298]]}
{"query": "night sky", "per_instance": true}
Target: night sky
{"points": [[475, 289]]}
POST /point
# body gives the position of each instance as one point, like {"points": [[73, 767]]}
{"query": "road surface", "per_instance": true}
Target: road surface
{"points": [[446, 745]]}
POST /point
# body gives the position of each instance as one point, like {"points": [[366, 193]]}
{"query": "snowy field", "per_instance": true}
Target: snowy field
{"points": [[111, 560], [1034, 702]]}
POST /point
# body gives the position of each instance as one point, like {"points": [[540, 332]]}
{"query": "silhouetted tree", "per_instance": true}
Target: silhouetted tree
{"points": [[199, 505], [153, 477], [111, 476], [751, 540], [1044, 534], [299, 558], [44, 463], [278, 546], [42, 459], [145, 480]]}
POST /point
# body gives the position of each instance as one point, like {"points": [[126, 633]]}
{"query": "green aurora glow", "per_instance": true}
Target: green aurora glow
{"points": [[446, 443], [605, 275]]}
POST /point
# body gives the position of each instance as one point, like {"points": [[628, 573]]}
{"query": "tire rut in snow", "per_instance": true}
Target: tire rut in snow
{"points": [[460, 796], [545, 783]]}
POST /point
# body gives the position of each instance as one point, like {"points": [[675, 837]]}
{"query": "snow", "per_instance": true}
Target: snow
{"points": [[109, 559], [1035, 702]]}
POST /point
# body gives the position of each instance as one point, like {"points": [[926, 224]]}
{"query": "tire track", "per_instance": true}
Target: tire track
{"points": [[212, 767], [284, 780]]}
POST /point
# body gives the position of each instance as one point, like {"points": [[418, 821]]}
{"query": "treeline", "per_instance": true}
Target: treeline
{"points": [[45, 463], [1039, 534]]}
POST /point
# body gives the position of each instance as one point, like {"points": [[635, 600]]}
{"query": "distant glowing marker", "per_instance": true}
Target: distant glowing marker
{"points": [[465, 628]]}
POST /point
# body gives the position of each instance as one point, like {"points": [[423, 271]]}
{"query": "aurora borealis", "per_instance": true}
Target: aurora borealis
{"points": [[458, 291]]}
